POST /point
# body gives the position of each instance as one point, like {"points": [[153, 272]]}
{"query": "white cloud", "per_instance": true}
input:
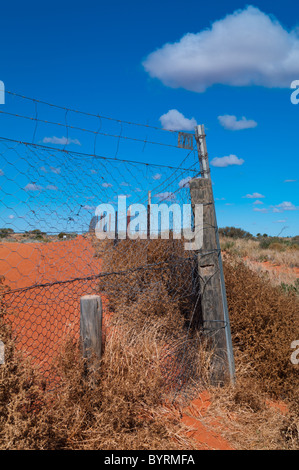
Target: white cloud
{"points": [[263, 210], [176, 121], [290, 181], [54, 170], [167, 196], [231, 123], [226, 161], [38, 187], [282, 221], [185, 182], [245, 48], [60, 141], [284, 206], [33, 187], [11, 216], [107, 185], [254, 196], [257, 202], [157, 176], [1, 172]]}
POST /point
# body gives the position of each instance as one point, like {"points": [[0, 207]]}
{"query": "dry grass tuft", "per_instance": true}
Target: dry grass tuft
{"points": [[120, 406], [264, 322]]}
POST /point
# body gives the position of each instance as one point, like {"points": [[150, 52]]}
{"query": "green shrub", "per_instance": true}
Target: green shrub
{"points": [[234, 232]]}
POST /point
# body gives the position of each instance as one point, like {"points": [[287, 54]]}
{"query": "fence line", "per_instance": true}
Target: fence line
{"points": [[50, 256]]}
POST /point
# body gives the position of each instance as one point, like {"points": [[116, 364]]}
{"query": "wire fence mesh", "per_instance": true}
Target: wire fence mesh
{"points": [[50, 255]]}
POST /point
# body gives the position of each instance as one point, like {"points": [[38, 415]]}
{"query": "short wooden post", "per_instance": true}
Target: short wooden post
{"points": [[91, 328]]}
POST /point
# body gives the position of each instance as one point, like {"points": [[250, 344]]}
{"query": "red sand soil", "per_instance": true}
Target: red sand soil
{"points": [[43, 317], [276, 268], [204, 436]]}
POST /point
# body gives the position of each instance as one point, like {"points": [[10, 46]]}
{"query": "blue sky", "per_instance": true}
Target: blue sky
{"points": [[110, 58]]}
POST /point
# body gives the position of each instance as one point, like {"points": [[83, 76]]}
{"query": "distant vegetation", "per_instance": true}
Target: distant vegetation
{"points": [[5, 232], [234, 232], [36, 233], [265, 240], [33, 235], [280, 252]]}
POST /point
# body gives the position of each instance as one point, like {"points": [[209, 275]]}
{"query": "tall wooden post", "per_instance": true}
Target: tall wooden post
{"points": [[212, 287]]}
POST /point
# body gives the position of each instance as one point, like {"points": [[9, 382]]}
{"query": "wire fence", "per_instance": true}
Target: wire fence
{"points": [[50, 255]]}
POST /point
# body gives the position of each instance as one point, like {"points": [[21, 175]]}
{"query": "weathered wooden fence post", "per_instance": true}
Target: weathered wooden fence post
{"points": [[214, 310], [91, 328]]}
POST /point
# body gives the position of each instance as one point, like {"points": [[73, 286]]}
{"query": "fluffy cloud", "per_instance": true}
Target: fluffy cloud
{"points": [[52, 169], [38, 187], [167, 196], [231, 123], [264, 210], [185, 182], [60, 141], [226, 161], [33, 187], [284, 206], [175, 121], [254, 196], [55, 170], [245, 48]]}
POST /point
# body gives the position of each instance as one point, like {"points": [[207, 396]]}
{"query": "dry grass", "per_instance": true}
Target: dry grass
{"points": [[119, 406], [249, 421], [277, 253], [264, 322], [122, 405]]}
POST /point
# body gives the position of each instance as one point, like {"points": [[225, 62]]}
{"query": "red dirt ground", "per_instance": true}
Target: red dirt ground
{"points": [[44, 316], [203, 435], [273, 268]]}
